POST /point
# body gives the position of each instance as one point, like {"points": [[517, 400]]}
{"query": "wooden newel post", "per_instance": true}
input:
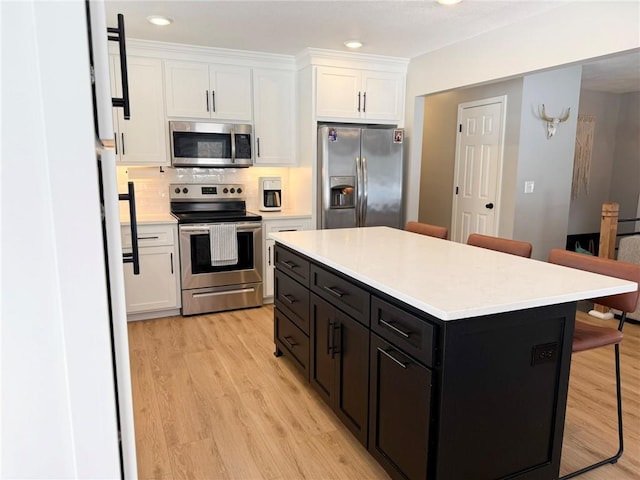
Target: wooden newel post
{"points": [[607, 248]]}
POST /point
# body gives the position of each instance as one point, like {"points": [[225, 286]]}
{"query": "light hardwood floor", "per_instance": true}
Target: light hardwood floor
{"points": [[212, 402]]}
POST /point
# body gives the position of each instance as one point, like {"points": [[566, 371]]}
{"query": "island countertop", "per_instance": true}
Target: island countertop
{"points": [[446, 279]]}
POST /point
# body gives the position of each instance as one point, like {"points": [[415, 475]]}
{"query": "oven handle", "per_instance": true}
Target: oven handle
{"points": [[225, 292], [200, 229]]}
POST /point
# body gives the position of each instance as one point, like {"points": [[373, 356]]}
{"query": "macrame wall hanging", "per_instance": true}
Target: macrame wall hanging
{"points": [[582, 157]]}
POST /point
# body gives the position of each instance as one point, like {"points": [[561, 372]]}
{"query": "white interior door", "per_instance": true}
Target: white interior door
{"points": [[478, 168]]}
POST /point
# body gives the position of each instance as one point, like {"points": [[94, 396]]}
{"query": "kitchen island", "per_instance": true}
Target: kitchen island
{"points": [[446, 361]]}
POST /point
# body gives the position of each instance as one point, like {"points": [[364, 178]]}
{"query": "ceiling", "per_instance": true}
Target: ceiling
{"points": [[399, 28]]}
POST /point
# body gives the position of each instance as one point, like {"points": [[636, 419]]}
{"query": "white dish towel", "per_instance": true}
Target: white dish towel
{"points": [[223, 244]]}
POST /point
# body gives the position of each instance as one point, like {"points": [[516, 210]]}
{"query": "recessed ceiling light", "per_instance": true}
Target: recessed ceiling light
{"points": [[159, 20], [448, 2], [353, 44]]}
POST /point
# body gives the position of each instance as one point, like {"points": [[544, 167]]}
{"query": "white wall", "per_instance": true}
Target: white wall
{"points": [[57, 395], [625, 181], [571, 33], [541, 217], [585, 209]]}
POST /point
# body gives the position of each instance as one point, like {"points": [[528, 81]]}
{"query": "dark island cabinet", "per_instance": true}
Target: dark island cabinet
{"points": [[339, 364], [400, 411], [475, 398], [291, 315]]}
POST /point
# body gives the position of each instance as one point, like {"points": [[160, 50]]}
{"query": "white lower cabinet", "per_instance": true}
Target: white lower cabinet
{"points": [[155, 292], [277, 225]]}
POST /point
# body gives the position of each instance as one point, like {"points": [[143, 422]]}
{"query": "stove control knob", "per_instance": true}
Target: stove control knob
{"points": [[226, 190], [239, 190], [233, 190], [177, 190], [185, 190]]}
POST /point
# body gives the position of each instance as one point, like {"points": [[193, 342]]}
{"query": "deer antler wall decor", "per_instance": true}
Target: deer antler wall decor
{"points": [[553, 122]]}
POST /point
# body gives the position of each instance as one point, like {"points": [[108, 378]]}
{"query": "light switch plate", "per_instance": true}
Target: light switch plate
{"points": [[528, 186]]}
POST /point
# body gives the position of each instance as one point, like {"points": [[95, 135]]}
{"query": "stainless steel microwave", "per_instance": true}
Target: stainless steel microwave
{"points": [[209, 144]]}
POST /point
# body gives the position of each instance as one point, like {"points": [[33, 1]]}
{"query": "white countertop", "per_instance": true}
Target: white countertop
{"points": [[446, 279], [148, 219], [283, 215]]}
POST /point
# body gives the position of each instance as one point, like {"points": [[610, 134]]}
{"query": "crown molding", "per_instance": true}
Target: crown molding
{"points": [[336, 58], [196, 53]]}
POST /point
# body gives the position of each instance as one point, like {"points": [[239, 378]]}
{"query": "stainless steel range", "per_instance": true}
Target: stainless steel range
{"points": [[220, 248]]}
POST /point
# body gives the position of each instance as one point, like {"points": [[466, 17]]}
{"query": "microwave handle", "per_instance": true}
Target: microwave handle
{"points": [[134, 256], [119, 37], [233, 146]]}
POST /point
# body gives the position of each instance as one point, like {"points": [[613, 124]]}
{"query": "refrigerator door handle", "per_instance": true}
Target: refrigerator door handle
{"points": [[358, 192], [363, 215]]}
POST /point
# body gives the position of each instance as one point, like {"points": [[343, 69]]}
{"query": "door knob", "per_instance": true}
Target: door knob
{"points": [[489, 206]]}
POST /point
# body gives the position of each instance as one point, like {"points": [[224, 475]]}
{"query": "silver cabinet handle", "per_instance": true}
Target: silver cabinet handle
{"points": [[358, 101], [289, 299], [122, 136], [206, 92], [364, 102], [289, 264], [258, 145], [213, 100], [403, 365], [338, 293], [394, 328], [291, 343]]}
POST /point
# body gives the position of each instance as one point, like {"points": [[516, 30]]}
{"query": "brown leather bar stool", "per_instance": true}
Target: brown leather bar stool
{"points": [[506, 245], [427, 229], [587, 336]]}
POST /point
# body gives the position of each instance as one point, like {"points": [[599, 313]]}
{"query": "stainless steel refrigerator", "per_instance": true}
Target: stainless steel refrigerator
{"points": [[360, 176]]}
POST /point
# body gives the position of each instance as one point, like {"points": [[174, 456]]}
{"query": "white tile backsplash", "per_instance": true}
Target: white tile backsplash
{"points": [[152, 183]]}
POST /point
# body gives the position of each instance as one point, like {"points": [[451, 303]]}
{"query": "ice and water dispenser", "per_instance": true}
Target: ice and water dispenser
{"points": [[343, 192]]}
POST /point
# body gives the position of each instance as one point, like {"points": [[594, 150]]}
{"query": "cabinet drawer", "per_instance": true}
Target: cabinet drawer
{"points": [[148, 235], [286, 225], [408, 332], [293, 299], [292, 340], [293, 264], [348, 297]]}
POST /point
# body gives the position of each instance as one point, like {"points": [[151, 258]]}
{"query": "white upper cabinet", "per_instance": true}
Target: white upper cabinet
{"points": [[274, 113], [200, 90], [354, 94], [141, 140]]}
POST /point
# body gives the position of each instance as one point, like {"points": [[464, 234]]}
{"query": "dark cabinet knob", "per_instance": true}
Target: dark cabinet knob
{"points": [[489, 206]]}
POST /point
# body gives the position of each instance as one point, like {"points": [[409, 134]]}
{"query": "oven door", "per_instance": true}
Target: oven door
{"points": [[195, 257]]}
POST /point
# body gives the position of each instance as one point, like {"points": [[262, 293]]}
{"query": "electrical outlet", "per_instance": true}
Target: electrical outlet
{"points": [[528, 186], [545, 353]]}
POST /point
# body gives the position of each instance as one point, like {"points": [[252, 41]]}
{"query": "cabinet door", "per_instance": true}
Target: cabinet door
{"points": [[383, 96], [274, 113], [321, 336], [230, 91], [400, 410], [269, 268], [187, 89], [141, 140], [351, 403], [338, 93], [155, 287]]}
